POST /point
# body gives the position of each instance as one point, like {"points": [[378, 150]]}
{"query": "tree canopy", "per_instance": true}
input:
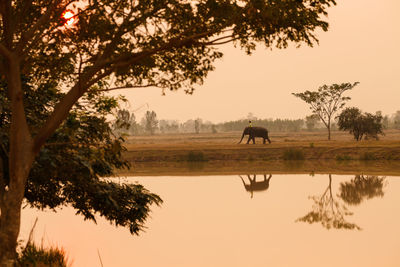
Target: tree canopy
{"points": [[326, 101], [69, 168], [360, 124]]}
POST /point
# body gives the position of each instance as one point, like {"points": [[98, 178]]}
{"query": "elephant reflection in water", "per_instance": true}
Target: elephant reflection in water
{"points": [[255, 185], [331, 213]]}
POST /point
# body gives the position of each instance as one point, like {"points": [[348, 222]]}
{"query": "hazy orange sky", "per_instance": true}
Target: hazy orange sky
{"points": [[362, 44]]}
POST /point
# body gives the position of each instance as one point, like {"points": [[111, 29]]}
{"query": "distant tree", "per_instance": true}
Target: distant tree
{"points": [[385, 122], [326, 101], [197, 125], [187, 126], [213, 129], [151, 122], [360, 124], [396, 120], [125, 122], [311, 121]]}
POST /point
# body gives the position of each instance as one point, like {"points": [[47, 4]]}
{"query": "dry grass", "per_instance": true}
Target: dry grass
{"points": [[222, 149]]}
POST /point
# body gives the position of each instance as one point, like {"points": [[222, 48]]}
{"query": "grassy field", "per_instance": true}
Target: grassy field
{"points": [[288, 152]]}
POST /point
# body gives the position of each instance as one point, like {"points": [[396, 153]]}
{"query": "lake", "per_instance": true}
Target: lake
{"points": [[247, 220]]}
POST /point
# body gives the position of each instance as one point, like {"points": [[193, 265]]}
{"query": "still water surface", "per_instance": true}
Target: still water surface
{"points": [[272, 220]]}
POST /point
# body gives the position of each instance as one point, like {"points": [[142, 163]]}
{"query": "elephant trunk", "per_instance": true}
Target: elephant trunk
{"points": [[242, 137]]}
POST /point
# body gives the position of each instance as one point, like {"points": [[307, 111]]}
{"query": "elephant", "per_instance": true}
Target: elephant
{"points": [[255, 132]]}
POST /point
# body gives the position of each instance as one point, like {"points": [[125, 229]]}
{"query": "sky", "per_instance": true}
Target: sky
{"points": [[362, 44]]}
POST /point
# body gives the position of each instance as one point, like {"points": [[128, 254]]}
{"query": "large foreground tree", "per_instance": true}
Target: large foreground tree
{"points": [[111, 44]]}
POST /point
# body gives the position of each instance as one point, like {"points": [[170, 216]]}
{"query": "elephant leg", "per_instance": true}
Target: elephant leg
{"points": [[254, 140], [248, 141], [264, 140]]}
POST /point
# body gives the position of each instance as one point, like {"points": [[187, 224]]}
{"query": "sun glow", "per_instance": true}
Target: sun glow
{"points": [[68, 17]]}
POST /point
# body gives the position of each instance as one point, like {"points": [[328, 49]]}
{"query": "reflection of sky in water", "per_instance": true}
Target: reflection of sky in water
{"points": [[213, 221]]}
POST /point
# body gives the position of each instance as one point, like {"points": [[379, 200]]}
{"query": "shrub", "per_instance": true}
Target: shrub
{"points": [[32, 255], [194, 156], [368, 156], [343, 157], [293, 154], [361, 124]]}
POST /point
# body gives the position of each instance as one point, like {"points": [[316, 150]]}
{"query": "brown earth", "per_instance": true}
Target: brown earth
{"points": [[207, 153]]}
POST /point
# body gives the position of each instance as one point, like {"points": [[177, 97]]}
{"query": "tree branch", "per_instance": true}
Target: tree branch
{"points": [[127, 87], [44, 19]]}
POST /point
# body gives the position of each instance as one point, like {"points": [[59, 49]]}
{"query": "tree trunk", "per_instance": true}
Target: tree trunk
{"points": [[21, 157], [329, 132]]}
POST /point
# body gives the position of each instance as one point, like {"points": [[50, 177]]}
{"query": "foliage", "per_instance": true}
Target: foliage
{"points": [[311, 121], [360, 124], [326, 101], [150, 122], [197, 125], [33, 255], [273, 125], [125, 122], [361, 188], [328, 211], [213, 129], [396, 120], [343, 157], [368, 156], [194, 156], [69, 168], [293, 154]]}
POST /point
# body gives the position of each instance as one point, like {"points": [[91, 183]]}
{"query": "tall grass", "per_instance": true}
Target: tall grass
{"points": [[33, 255], [194, 156], [368, 156], [343, 157], [293, 154]]}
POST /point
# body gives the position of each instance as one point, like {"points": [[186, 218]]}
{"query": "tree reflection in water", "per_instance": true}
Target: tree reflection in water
{"points": [[255, 185], [328, 211], [361, 188]]}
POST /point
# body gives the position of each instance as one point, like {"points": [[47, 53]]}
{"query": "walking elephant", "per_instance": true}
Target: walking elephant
{"points": [[253, 132]]}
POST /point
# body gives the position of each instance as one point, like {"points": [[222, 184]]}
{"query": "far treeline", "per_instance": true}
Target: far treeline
{"points": [[127, 123]]}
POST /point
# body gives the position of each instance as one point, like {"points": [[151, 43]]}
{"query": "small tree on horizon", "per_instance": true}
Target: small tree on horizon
{"points": [[311, 121], [197, 125], [151, 122], [326, 101]]}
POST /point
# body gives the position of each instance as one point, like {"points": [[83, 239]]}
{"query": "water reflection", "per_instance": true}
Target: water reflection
{"points": [[361, 188], [255, 185], [328, 211], [196, 219]]}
